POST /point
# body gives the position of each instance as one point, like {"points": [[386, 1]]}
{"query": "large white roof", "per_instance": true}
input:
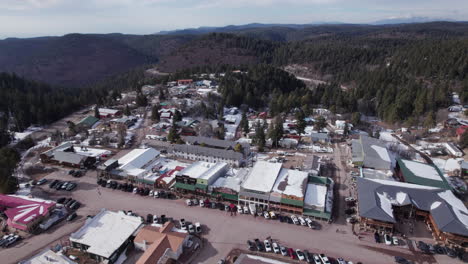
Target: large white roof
{"points": [[197, 169], [422, 170], [48, 256], [106, 232], [291, 182], [262, 177], [315, 195], [137, 158]]}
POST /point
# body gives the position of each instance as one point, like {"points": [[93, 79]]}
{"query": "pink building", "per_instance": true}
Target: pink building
{"points": [[25, 213]]}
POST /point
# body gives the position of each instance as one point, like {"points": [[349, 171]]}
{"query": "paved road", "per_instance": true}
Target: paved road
{"points": [[221, 230]]}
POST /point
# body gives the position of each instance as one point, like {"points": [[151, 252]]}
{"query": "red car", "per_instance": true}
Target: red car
{"points": [[291, 253]]}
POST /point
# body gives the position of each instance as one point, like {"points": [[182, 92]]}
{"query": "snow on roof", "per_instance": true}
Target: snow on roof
{"points": [[422, 170], [137, 158], [404, 184], [232, 182], [385, 204], [459, 209], [383, 153], [403, 198], [258, 259], [108, 111], [291, 182], [106, 232], [22, 209], [315, 195], [90, 152], [214, 170], [262, 177], [197, 169], [48, 256]]}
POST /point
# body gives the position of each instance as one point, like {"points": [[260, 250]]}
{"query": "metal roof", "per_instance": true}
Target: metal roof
{"points": [[422, 174], [209, 152], [377, 197], [371, 152]]}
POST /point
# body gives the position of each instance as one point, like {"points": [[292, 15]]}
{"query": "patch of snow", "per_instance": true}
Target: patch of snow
{"points": [[315, 195], [422, 170], [383, 153], [457, 206], [385, 204]]}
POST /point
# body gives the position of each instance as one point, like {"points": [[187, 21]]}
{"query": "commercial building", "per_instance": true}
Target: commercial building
{"points": [[196, 177], [132, 165], [420, 173], [287, 194], [160, 243], [68, 155], [228, 187], [109, 113], [25, 213], [106, 235], [370, 153], [382, 204], [318, 199], [194, 152]]}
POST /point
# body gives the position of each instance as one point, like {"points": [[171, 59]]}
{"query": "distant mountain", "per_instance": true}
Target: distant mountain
{"points": [[409, 20]]}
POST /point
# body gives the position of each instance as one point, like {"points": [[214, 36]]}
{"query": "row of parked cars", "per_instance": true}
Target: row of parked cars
{"points": [[69, 203], [189, 227], [9, 240], [302, 255], [437, 249], [129, 187], [62, 185]]}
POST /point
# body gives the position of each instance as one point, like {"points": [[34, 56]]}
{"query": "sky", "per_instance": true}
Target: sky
{"points": [[32, 18]]}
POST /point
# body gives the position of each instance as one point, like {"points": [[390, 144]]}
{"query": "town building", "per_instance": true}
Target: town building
{"points": [[213, 155], [287, 194], [25, 213], [106, 235], [383, 204], [196, 177], [132, 165], [323, 138], [160, 243], [109, 113], [184, 82], [228, 187], [48, 256], [420, 173], [87, 122], [68, 155], [318, 199], [217, 144], [370, 153]]}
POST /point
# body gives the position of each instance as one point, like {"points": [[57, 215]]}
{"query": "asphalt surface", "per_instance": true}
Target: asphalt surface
{"points": [[223, 232]]}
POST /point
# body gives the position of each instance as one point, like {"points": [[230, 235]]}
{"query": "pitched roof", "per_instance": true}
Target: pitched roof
{"points": [[69, 157], [21, 210], [262, 177], [422, 174], [88, 121], [377, 197], [198, 150], [371, 152]]}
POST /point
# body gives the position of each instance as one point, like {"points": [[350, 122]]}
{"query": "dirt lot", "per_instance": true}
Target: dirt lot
{"points": [[222, 231]]}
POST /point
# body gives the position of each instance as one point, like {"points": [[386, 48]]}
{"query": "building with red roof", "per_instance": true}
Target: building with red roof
{"points": [[25, 213]]}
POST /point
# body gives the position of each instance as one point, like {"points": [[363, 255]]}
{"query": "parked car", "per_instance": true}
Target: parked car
{"points": [[316, 259], [377, 237], [291, 253], [259, 245], [198, 228], [149, 218], [75, 205], [283, 251], [395, 241], [341, 261], [272, 215], [300, 255], [41, 181], [53, 184], [250, 245], [266, 215], [350, 199], [295, 220], [324, 259], [191, 229], [71, 216], [195, 201], [267, 245], [302, 221], [276, 248], [135, 190], [388, 240], [61, 200], [202, 203], [188, 202], [239, 210], [183, 224], [71, 186], [151, 193], [245, 209], [155, 219], [12, 240], [307, 256], [401, 260], [5, 239]]}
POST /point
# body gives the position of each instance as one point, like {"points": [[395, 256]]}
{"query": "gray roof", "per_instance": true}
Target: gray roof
{"points": [[61, 147], [449, 213], [216, 143], [68, 157], [221, 153], [365, 149], [320, 136]]}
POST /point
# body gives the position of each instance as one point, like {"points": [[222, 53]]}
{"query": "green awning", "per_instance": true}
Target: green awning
{"points": [[189, 187], [318, 180], [292, 202], [201, 186], [144, 181], [227, 196], [317, 213]]}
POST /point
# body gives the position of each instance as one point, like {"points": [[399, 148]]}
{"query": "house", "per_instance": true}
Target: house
{"points": [[88, 122], [109, 113], [194, 152], [323, 138], [66, 154], [160, 243], [48, 256], [167, 179], [371, 153], [381, 204], [126, 122], [217, 144], [420, 173], [196, 177], [106, 235], [25, 213]]}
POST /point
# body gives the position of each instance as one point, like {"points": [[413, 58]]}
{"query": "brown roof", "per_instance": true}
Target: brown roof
{"points": [[159, 239]]}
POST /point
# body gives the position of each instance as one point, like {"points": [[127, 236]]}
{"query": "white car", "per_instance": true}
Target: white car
{"points": [[202, 203], [267, 245], [388, 239], [302, 221], [246, 210], [266, 215], [183, 225], [188, 202], [272, 215], [239, 209], [300, 254], [324, 259], [295, 220], [283, 251], [151, 193], [317, 259], [341, 261], [135, 190], [156, 194], [198, 227], [276, 248], [155, 219], [396, 241]]}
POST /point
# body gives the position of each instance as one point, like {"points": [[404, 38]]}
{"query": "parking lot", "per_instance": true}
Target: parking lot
{"points": [[222, 231]]}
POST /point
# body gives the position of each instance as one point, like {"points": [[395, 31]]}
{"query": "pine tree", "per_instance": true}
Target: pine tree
{"points": [[259, 138], [127, 111], [301, 123], [96, 112], [177, 116], [320, 124], [155, 113], [245, 124]]}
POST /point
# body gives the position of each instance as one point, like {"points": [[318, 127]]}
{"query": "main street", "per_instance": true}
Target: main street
{"points": [[222, 231]]}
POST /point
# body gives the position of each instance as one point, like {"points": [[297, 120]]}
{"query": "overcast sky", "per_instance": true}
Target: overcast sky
{"points": [[29, 18]]}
